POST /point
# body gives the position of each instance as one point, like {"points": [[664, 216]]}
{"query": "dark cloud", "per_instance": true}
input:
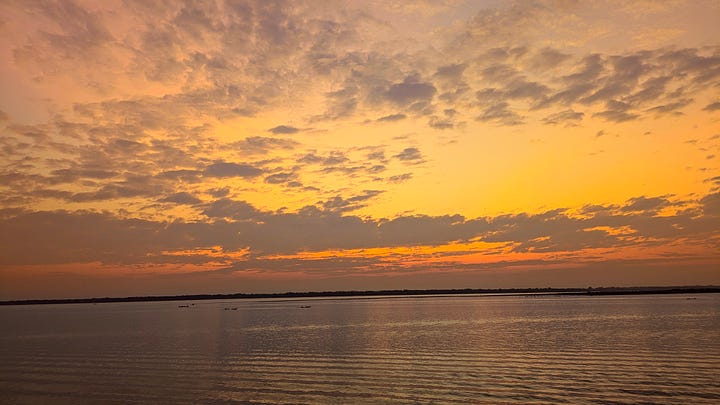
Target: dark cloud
{"points": [[280, 178], [489, 95], [453, 95], [339, 204], [568, 96], [566, 117], [711, 205], [642, 203], [617, 111], [651, 90], [374, 169], [283, 129], [392, 118], [334, 158], [219, 192], [702, 69], [453, 72], [411, 90], [616, 115], [669, 108], [500, 113], [186, 175], [181, 198], [547, 58], [409, 155], [341, 103], [712, 106], [378, 155], [263, 145], [229, 169], [441, 123], [72, 175], [411, 230], [72, 237], [522, 89], [500, 73], [132, 186], [231, 209], [400, 178]]}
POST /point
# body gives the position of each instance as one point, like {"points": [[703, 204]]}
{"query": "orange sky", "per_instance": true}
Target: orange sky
{"points": [[261, 146]]}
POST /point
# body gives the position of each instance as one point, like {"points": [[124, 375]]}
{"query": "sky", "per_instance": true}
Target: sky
{"points": [[170, 147]]}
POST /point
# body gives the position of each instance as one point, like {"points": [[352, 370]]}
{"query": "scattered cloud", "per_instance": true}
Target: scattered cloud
{"points": [[411, 90], [168, 128], [409, 155], [712, 106], [566, 117], [230, 169], [264, 145], [84, 236], [284, 130], [181, 198], [392, 118]]}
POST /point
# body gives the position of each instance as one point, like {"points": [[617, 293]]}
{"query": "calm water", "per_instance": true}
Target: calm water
{"points": [[653, 349]]}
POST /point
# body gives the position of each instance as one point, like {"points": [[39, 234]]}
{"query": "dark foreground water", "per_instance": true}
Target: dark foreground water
{"points": [[629, 349]]}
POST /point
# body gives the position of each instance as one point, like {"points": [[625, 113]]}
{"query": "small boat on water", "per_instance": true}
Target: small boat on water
{"points": [[304, 306], [183, 306]]}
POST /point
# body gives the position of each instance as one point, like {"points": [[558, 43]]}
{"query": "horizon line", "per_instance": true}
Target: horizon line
{"points": [[588, 291]]}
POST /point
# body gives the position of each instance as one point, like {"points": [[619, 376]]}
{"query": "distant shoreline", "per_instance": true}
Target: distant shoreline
{"points": [[600, 291]]}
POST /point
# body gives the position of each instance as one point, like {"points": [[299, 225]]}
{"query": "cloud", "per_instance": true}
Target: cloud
{"points": [[421, 229], [546, 59], [711, 205], [84, 237], [567, 117], [186, 175], [411, 90], [642, 203], [670, 108], [500, 73], [500, 113], [392, 118], [181, 198], [219, 192], [452, 72], [409, 155], [378, 155], [283, 129], [143, 98], [341, 103], [339, 204], [712, 106], [617, 111], [280, 178], [441, 123], [229, 169], [522, 89], [264, 145], [616, 115], [400, 178], [231, 209], [334, 158]]}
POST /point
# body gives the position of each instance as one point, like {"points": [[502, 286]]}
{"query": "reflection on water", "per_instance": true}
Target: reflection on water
{"points": [[656, 349]]}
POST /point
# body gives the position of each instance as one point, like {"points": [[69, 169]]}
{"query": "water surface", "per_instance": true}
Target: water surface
{"points": [[441, 349]]}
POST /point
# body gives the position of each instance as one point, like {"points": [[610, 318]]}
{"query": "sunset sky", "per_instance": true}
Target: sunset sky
{"points": [[260, 146]]}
